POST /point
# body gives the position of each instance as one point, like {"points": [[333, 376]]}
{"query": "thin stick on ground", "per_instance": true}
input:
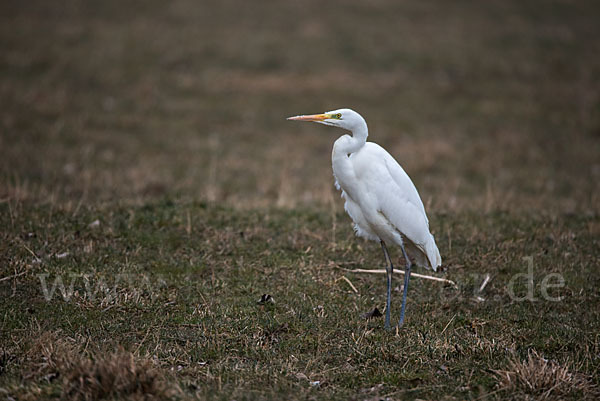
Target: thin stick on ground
{"points": [[13, 276], [382, 271], [349, 283]]}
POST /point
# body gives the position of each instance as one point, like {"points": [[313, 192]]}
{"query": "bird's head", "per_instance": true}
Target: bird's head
{"points": [[344, 118]]}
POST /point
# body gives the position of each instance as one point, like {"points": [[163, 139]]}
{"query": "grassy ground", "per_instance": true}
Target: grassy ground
{"points": [[147, 167]]}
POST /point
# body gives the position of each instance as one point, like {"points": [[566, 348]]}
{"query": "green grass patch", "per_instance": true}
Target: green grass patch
{"points": [[180, 293]]}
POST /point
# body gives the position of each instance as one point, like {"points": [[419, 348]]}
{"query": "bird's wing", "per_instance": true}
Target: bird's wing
{"points": [[396, 196], [404, 189], [405, 184]]}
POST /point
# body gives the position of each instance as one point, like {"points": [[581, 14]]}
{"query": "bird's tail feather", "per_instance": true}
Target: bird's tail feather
{"points": [[427, 256], [433, 254]]}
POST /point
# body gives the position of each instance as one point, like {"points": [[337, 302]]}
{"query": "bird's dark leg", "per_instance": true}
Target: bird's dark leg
{"points": [[389, 268], [406, 279]]}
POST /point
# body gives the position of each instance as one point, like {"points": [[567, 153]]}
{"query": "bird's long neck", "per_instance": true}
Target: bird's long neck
{"points": [[348, 144], [343, 147]]}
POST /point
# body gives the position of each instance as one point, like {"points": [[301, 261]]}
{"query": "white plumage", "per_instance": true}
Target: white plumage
{"points": [[383, 202], [379, 196]]}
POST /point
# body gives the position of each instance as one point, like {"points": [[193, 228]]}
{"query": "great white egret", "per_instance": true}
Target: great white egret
{"points": [[379, 197]]}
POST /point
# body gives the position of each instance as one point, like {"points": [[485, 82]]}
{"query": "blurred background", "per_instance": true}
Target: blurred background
{"points": [[487, 105]]}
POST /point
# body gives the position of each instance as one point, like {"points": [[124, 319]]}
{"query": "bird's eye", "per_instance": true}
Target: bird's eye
{"points": [[337, 116]]}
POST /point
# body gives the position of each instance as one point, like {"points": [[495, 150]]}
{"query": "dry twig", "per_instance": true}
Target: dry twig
{"points": [[382, 271]]}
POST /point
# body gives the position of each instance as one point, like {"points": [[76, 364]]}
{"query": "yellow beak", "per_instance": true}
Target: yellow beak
{"points": [[312, 117]]}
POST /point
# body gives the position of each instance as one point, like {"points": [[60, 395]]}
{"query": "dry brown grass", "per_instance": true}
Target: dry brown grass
{"points": [[86, 376], [486, 106], [543, 379], [47, 356], [115, 375]]}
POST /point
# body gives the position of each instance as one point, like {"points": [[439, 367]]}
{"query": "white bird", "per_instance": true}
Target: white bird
{"points": [[379, 197]]}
